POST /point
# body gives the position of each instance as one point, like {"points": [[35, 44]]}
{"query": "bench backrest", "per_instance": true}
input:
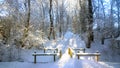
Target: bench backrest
{"points": [[96, 55], [50, 50], [79, 50], [88, 54]]}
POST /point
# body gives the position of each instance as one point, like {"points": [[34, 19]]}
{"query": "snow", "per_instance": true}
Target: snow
{"points": [[118, 38], [68, 63], [73, 41]]}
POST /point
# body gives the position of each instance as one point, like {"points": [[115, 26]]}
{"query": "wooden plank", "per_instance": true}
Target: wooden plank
{"points": [[50, 49], [44, 54], [79, 49], [97, 54], [88, 54]]}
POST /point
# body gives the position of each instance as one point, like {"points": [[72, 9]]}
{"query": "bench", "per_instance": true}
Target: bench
{"points": [[97, 54], [56, 53], [79, 50]]}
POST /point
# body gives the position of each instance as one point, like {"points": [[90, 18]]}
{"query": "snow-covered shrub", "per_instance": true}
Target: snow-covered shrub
{"points": [[34, 39]]}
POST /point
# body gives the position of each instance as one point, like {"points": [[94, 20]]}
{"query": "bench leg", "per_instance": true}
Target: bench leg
{"points": [[44, 50], [60, 53], [78, 57], [97, 58], [54, 58], [35, 59], [84, 50]]}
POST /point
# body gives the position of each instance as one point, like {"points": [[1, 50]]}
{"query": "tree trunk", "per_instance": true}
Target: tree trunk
{"points": [[27, 24], [28, 18], [82, 15], [51, 22], [90, 35], [118, 15], [102, 39]]}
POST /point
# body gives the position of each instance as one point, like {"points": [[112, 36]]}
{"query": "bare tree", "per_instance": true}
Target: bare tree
{"points": [[27, 24], [51, 22], [83, 15]]}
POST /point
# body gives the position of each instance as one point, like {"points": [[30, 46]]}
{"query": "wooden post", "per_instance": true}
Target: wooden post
{"points": [[84, 50], [44, 50], [35, 57], [60, 53], [78, 55], [97, 57], [57, 50], [54, 57], [70, 52]]}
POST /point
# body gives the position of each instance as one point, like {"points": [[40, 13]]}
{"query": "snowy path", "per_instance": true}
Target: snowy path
{"points": [[71, 63]]}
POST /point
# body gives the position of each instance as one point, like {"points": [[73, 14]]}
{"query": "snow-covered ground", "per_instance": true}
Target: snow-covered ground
{"points": [[64, 62], [73, 41]]}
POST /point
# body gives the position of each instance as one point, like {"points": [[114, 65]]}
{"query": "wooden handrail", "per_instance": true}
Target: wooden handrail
{"points": [[52, 49], [88, 54], [97, 54], [47, 54], [44, 54], [79, 49]]}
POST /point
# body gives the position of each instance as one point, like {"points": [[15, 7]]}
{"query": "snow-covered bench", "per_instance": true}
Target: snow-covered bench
{"points": [[56, 53], [97, 54]]}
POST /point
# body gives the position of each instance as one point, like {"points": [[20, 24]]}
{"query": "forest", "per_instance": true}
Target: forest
{"points": [[31, 25]]}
